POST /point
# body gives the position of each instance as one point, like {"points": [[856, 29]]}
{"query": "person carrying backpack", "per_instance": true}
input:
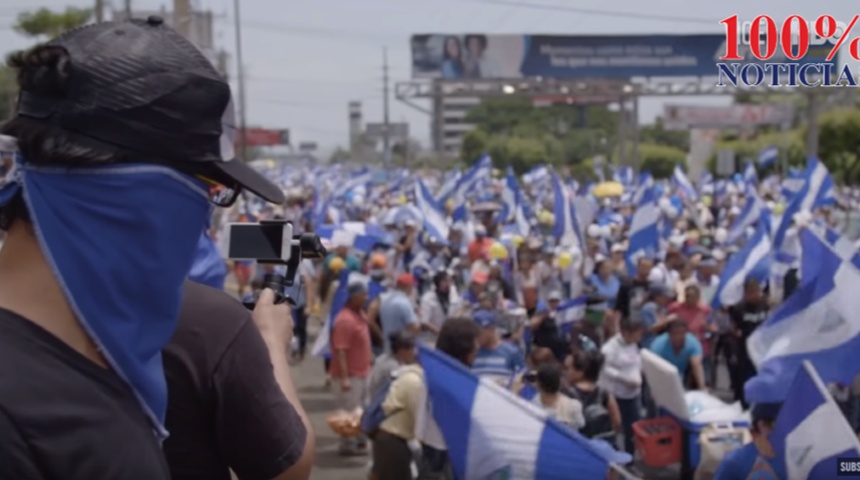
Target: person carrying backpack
{"points": [[399, 413], [602, 418]]}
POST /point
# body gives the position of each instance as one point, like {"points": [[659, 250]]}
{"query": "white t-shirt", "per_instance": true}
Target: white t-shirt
{"points": [[566, 410], [621, 368], [661, 274]]}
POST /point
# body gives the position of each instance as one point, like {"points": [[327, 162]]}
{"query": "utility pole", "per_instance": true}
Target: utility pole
{"points": [[128, 9], [100, 11], [386, 131], [240, 80]]}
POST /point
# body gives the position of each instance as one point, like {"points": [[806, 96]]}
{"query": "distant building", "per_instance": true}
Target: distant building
{"points": [[449, 123]]}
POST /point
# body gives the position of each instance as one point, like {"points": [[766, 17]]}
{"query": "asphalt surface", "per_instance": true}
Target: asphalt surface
{"points": [[319, 402]]}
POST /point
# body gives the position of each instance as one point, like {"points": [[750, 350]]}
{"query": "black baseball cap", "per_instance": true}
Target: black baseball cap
{"points": [[140, 87]]}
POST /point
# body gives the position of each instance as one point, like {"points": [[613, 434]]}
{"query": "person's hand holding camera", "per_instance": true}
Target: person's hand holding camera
{"points": [[275, 322]]}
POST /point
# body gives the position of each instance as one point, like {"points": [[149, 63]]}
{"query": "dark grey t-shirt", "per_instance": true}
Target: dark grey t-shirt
{"points": [[225, 409], [64, 417]]}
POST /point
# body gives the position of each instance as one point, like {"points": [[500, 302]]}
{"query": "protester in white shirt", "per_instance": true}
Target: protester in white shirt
{"points": [[436, 306], [621, 375], [665, 272], [565, 409]]}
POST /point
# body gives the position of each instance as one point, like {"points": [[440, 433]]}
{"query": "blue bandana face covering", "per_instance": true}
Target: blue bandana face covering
{"points": [[120, 240]]}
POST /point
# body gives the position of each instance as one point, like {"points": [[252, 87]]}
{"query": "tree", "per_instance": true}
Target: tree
{"points": [[475, 144], [523, 153], [41, 23], [660, 160], [839, 144], [791, 143], [516, 133], [658, 135], [46, 23], [338, 156]]}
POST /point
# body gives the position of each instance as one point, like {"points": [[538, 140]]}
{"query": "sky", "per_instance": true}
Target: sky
{"points": [[304, 60]]}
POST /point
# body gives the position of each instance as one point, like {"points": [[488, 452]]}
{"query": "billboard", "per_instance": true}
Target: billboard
{"points": [[264, 137], [397, 131], [473, 56], [677, 117]]}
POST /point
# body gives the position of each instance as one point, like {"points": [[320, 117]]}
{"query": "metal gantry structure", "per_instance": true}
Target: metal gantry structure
{"points": [[624, 93]]}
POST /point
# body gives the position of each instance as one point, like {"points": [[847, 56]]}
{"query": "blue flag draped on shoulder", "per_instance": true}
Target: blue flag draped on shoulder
{"points": [[811, 432], [491, 433]]}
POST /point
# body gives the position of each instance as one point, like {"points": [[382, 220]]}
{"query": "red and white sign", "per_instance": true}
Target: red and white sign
{"points": [[683, 117], [263, 137], [792, 36]]}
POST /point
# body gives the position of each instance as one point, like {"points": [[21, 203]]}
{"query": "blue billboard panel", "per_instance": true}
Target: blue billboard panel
{"points": [[473, 56]]}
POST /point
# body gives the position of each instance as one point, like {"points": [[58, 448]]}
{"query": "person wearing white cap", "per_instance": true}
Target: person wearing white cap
{"points": [[619, 265]]}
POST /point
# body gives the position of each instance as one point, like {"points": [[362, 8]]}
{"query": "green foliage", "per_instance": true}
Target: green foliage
{"points": [[517, 134], [839, 144], [792, 143], [475, 143], [46, 23], [660, 160], [658, 135], [584, 172]]}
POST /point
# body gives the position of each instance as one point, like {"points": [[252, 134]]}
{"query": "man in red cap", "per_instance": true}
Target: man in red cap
{"points": [[397, 309]]}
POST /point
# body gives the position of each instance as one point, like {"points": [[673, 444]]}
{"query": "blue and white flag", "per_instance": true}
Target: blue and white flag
{"points": [[475, 176], [682, 183], [359, 235], [749, 216], [570, 312], [644, 231], [811, 432], [753, 261], [646, 183], [818, 322], [624, 176], [768, 156], [359, 179], [817, 191], [322, 345], [434, 216], [513, 206], [492, 434], [448, 187], [566, 229], [750, 174], [536, 174]]}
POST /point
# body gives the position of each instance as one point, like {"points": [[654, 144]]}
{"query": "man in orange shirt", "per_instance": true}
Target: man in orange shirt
{"points": [[479, 248], [350, 342]]}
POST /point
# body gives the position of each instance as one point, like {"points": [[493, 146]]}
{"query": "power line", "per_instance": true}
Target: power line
{"points": [[322, 32], [315, 81], [595, 11]]}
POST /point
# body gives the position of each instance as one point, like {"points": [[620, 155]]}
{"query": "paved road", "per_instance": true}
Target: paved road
{"points": [[319, 401]]}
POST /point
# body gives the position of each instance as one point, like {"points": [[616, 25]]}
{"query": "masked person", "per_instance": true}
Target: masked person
{"points": [[115, 152]]}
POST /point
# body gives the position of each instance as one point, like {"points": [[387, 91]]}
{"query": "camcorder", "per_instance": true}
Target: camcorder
{"points": [[272, 242]]}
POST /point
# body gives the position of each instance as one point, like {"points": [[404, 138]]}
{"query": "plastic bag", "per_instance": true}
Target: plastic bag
{"points": [[706, 408], [345, 424]]}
